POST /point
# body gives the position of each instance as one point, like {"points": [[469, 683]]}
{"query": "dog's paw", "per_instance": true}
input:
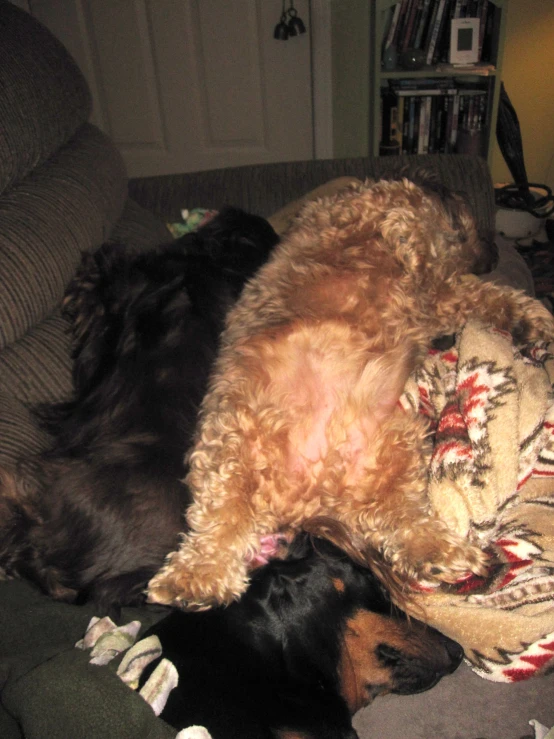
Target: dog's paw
{"points": [[453, 563], [536, 325], [196, 586], [168, 589], [436, 555]]}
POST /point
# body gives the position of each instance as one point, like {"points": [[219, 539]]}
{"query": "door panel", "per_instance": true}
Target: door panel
{"points": [[184, 85]]}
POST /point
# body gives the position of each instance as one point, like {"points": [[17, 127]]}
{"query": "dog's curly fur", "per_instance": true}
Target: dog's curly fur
{"points": [[93, 518], [313, 640], [301, 417]]}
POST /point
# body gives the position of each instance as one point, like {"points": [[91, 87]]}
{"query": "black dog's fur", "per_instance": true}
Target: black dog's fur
{"points": [[108, 501], [310, 642]]}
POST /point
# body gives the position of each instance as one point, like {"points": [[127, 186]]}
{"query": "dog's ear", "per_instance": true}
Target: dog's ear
{"points": [[487, 259], [294, 600], [477, 252], [238, 242], [335, 532], [387, 585]]}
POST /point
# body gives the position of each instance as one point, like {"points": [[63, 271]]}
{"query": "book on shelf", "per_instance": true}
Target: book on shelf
{"points": [[422, 23], [415, 105], [454, 123], [400, 123], [410, 43], [444, 120], [424, 125], [437, 28], [389, 117], [391, 33], [430, 87], [396, 37], [460, 9], [482, 15], [421, 82], [431, 92], [487, 50], [410, 20], [434, 125]]}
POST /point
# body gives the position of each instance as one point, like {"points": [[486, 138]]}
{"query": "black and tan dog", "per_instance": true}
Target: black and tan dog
{"points": [[313, 640], [107, 502]]}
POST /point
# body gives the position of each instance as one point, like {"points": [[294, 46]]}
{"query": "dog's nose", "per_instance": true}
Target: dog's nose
{"points": [[455, 652]]}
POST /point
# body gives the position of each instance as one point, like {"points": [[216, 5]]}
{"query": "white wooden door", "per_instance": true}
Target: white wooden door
{"points": [[185, 85]]}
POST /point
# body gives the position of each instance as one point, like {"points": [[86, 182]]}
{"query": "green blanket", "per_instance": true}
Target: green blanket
{"points": [[43, 676]]}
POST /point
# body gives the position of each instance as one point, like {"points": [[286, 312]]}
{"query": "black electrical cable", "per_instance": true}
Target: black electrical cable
{"points": [[509, 139], [517, 196], [520, 197]]}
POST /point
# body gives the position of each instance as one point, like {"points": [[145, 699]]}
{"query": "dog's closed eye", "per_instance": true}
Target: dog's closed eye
{"points": [[388, 655]]}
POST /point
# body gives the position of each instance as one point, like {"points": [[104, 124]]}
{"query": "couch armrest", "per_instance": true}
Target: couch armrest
{"points": [[265, 188]]}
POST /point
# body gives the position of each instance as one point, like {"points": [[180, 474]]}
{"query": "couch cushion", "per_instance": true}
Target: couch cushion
{"points": [[37, 368], [139, 228], [67, 205], [43, 96], [18, 431]]}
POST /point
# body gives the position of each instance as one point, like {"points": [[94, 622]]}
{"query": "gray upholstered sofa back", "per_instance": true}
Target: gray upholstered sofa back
{"points": [[62, 182], [266, 188], [63, 187]]}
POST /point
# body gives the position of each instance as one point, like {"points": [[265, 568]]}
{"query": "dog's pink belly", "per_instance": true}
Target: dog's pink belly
{"points": [[328, 395], [311, 457], [320, 487], [332, 393]]}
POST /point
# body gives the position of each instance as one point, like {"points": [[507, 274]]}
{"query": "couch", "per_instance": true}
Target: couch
{"points": [[63, 190]]}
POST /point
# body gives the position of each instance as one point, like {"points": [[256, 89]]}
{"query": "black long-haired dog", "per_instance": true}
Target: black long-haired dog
{"points": [[311, 641], [106, 503]]}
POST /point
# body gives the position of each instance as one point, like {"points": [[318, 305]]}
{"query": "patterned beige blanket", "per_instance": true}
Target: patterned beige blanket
{"points": [[491, 409]]}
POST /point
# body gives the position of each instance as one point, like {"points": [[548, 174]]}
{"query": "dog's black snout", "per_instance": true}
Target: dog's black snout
{"points": [[455, 652], [419, 669]]}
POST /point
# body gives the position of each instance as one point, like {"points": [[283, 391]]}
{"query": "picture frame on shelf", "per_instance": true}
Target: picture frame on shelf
{"points": [[464, 41]]}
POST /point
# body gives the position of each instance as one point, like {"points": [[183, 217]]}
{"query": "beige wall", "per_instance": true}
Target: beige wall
{"points": [[528, 77]]}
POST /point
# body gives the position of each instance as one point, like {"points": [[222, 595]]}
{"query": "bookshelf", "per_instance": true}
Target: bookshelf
{"points": [[460, 110]]}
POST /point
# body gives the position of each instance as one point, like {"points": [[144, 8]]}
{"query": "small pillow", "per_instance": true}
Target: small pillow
{"points": [[282, 220]]}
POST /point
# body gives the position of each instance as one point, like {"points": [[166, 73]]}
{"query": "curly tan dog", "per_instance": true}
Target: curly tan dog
{"points": [[301, 418]]}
